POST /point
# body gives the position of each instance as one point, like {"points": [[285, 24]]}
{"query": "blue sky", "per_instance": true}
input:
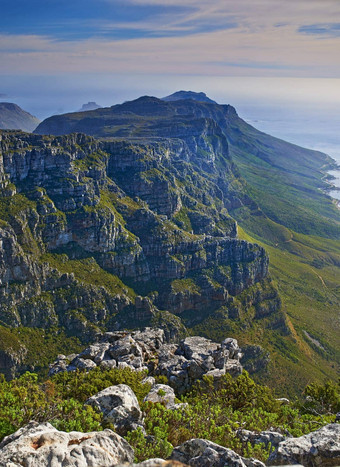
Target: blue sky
{"points": [[160, 44]]}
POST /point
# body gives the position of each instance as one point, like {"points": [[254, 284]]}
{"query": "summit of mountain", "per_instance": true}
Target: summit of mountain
{"points": [[91, 105], [183, 95], [13, 117]]}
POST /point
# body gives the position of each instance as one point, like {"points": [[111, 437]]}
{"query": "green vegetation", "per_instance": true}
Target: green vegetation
{"points": [[214, 411], [24, 399], [13, 206], [305, 269], [93, 160], [81, 385], [88, 271], [285, 181], [43, 345], [185, 286], [182, 219]]}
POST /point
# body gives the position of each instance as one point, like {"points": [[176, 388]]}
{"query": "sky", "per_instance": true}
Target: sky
{"points": [[57, 54]]}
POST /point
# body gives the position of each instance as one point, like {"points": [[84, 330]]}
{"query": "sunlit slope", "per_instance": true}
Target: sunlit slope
{"points": [[285, 180], [306, 272]]}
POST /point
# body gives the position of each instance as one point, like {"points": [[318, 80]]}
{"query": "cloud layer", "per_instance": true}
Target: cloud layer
{"points": [[200, 37]]}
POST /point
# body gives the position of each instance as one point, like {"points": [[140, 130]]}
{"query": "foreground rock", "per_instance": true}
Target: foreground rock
{"points": [[42, 445], [119, 406], [149, 349], [163, 394], [264, 437], [119, 349], [205, 453], [197, 356], [319, 448], [159, 463]]}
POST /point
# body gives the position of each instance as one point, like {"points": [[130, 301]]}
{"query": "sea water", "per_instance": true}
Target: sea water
{"points": [[317, 129]]}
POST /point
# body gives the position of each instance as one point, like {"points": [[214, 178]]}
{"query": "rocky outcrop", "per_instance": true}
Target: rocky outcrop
{"points": [[195, 357], [319, 448], [11, 360], [12, 353], [181, 363], [255, 358], [91, 105], [37, 445], [159, 463], [205, 453], [119, 407], [115, 349], [162, 394]]}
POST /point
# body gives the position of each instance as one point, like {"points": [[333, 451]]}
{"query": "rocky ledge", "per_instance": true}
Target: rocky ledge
{"points": [[37, 445], [181, 363]]}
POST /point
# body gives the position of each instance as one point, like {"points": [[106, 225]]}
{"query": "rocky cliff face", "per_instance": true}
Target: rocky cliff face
{"points": [[100, 234]]}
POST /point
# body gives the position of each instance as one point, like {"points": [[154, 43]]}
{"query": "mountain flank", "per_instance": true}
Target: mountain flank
{"points": [[12, 117], [176, 214]]}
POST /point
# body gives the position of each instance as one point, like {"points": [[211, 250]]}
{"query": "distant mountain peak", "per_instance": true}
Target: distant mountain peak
{"points": [[195, 96], [91, 105], [13, 117]]}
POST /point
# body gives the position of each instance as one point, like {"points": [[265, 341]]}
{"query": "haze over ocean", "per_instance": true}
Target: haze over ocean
{"points": [[316, 128], [302, 111]]}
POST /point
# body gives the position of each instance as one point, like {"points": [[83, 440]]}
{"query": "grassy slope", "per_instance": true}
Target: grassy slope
{"points": [[299, 227], [285, 180]]}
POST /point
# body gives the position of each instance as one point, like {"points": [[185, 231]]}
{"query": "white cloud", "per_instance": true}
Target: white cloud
{"points": [[266, 42]]}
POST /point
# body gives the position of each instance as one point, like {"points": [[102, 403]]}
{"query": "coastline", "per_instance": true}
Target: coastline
{"points": [[331, 178], [334, 178]]}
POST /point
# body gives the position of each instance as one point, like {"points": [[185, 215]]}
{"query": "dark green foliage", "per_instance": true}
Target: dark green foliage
{"points": [[322, 398], [216, 412], [60, 400], [43, 345], [81, 385], [213, 411], [23, 399]]}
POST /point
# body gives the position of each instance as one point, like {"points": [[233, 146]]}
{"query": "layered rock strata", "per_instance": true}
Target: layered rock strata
{"points": [[81, 218]]}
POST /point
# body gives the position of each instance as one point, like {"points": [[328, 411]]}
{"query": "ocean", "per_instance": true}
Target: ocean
{"points": [[317, 129]]}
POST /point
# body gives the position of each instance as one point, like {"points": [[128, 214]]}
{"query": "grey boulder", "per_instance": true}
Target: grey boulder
{"points": [[264, 437], [159, 463], [42, 445], [205, 453], [119, 406], [320, 448], [163, 394]]}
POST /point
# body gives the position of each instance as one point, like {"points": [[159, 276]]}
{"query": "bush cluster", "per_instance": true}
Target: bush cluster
{"points": [[214, 411]]}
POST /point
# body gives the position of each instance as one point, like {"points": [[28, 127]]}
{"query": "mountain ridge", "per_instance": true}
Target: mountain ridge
{"points": [[13, 117], [173, 177]]}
